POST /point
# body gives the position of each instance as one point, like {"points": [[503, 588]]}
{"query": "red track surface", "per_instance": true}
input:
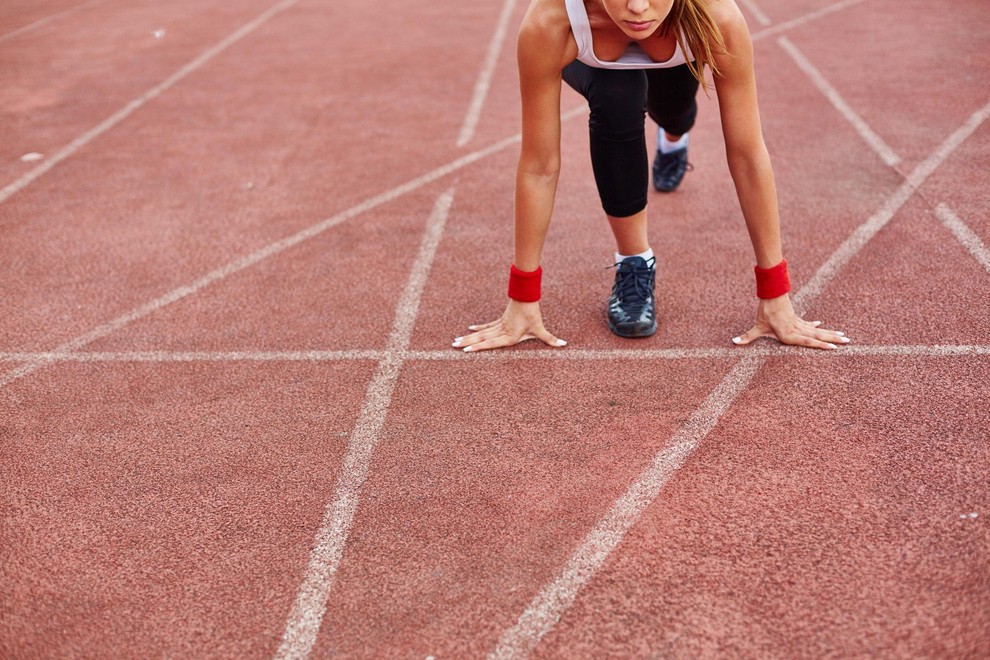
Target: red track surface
{"points": [[232, 424]]}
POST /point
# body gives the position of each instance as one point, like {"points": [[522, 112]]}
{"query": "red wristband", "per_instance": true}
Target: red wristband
{"points": [[772, 282], [525, 286]]}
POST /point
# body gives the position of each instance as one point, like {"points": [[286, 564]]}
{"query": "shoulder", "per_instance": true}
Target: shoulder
{"points": [[730, 21], [545, 32], [546, 15]]}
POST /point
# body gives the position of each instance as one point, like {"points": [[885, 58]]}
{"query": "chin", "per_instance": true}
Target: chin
{"points": [[640, 35]]}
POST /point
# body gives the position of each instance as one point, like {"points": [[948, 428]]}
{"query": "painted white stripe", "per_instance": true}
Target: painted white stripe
{"points": [[757, 13], [965, 235], [766, 349], [309, 608], [545, 610], [274, 248], [859, 238], [807, 18], [45, 21], [577, 354], [938, 350], [549, 605], [197, 356], [876, 143], [485, 77], [129, 109]]}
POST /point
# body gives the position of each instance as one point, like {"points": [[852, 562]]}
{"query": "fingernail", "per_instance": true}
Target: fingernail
{"points": [[737, 340], [458, 339], [472, 327], [561, 342], [844, 340], [467, 349], [841, 334], [831, 346]]}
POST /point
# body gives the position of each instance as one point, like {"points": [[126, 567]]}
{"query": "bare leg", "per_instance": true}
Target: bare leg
{"points": [[630, 233]]}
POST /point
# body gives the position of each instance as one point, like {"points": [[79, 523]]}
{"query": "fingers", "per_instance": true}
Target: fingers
{"points": [[820, 334], [754, 333], [497, 335], [544, 335], [480, 342], [814, 338], [833, 336], [810, 342], [495, 342], [491, 331], [483, 326], [800, 333]]}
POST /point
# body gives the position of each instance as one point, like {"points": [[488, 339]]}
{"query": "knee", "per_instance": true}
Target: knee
{"points": [[676, 123], [618, 105]]}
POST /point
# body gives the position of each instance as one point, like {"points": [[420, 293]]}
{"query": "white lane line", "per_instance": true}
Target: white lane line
{"points": [[579, 354], [767, 349], [852, 245], [545, 610], [965, 235], [45, 21], [807, 18], [309, 608], [197, 356], [555, 598], [274, 248], [757, 13], [875, 142], [129, 109], [485, 77], [937, 350]]}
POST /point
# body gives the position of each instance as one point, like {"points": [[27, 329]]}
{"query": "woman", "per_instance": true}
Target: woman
{"points": [[624, 55]]}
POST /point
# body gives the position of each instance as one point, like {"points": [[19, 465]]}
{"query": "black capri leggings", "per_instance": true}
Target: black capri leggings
{"points": [[618, 99]]}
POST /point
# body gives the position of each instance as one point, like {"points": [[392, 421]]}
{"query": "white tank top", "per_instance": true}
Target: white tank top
{"points": [[633, 58]]}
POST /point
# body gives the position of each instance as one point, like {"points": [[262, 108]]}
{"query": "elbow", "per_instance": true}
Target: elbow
{"points": [[751, 159], [539, 168]]}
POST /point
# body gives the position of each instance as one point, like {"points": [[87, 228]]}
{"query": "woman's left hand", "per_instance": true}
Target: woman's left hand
{"points": [[775, 317]]}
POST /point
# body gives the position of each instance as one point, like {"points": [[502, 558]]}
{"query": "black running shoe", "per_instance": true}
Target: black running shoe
{"points": [[631, 312], [669, 169]]}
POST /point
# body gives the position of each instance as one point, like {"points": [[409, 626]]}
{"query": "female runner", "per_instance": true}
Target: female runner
{"points": [[624, 56]]}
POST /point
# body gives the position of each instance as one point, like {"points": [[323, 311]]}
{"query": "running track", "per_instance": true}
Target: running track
{"points": [[232, 425]]}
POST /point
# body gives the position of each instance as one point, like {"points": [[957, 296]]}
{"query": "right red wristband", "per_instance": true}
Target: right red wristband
{"points": [[525, 286], [772, 282]]}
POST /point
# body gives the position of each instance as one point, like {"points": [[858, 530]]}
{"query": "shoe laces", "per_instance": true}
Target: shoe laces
{"points": [[633, 286], [669, 166]]}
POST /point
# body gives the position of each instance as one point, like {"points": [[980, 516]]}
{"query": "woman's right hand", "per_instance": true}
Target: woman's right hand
{"points": [[519, 322]]}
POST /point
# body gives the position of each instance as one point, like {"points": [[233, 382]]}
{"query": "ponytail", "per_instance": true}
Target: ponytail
{"points": [[695, 26]]}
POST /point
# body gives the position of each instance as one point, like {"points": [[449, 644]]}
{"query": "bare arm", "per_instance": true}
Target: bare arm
{"points": [[539, 158], [752, 174], [544, 47], [746, 152]]}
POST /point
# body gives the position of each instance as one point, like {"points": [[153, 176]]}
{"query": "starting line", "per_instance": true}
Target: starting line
{"points": [[566, 354]]}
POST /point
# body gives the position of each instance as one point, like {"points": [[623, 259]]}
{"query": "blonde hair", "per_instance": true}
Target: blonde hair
{"points": [[695, 25]]}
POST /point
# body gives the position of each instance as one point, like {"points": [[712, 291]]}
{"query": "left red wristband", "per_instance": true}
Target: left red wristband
{"points": [[772, 282], [524, 286]]}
